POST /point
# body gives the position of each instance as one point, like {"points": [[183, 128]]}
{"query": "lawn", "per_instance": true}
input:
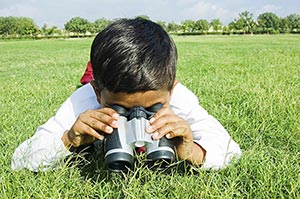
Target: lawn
{"points": [[251, 84]]}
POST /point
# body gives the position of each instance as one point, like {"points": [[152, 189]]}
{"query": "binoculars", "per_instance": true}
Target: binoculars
{"points": [[120, 145]]}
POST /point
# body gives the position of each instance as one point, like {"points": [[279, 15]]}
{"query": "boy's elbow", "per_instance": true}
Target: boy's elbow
{"points": [[21, 160], [219, 159]]}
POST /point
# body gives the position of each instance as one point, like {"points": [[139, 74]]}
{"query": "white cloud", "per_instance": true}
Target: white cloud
{"points": [[19, 10], [185, 3], [208, 11], [268, 8]]}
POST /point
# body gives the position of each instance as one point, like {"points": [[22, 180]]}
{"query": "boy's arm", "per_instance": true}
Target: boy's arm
{"points": [[210, 136], [45, 149], [192, 152]]}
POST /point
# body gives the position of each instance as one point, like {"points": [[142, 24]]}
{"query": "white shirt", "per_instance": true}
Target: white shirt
{"points": [[45, 149]]}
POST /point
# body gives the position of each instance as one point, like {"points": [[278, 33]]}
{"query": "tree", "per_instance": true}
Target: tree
{"points": [[293, 21], [8, 25], [225, 30], [173, 27], [163, 25], [11, 25], [245, 22], [17, 26], [50, 31], [77, 25], [99, 25], [26, 26], [268, 22], [143, 17], [216, 24], [187, 26], [284, 25], [201, 25], [232, 26]]}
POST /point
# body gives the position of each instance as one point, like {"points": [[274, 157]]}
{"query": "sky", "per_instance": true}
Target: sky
{"points": [[58, 12]]}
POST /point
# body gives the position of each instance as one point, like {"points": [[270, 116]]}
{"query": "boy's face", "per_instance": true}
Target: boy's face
{"points": [[145, 99]]}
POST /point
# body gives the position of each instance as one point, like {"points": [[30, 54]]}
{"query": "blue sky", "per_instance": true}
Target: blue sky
{"points": [[58, 12]]}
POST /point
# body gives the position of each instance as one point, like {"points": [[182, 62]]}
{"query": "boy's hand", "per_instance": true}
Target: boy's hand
{"points": [[89, 125], [166, 123]]}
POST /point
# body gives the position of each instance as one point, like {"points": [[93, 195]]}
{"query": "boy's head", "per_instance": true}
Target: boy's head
{"points": [[134, 55]]}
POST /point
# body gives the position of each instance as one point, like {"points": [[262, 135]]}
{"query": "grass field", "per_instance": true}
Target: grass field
{"points": [[251, 84]]}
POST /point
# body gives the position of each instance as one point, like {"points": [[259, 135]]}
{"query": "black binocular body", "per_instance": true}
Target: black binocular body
{"points": [[120, 145]]}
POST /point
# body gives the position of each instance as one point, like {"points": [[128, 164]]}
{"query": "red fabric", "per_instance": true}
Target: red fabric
{"points": [[140, 149], [88, 74]]}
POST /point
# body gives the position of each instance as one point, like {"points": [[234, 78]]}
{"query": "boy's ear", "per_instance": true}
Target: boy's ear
{"points": [[96, 90], [174, 84]]}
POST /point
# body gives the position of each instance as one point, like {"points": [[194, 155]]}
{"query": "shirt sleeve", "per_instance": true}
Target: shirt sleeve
{"points": [[45, 149], [207, 131]]}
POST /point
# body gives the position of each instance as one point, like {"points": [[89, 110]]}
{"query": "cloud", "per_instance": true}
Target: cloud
{"points": [[208, 11], [268, 8], [19, 10]]}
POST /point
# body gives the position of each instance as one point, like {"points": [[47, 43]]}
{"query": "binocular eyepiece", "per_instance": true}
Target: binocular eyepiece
{"points": [[119, 146]]}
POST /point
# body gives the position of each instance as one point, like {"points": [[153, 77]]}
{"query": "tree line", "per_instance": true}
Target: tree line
{"points": [[266, 23]]}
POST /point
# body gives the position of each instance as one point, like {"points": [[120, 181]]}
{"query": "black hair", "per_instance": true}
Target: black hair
{"points": [[134, 55]]}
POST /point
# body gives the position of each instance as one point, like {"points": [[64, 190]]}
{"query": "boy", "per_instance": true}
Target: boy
{"points": [[134, 64]]}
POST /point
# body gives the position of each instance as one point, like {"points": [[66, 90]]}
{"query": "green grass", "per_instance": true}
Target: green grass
{"points": [[251, 84]]}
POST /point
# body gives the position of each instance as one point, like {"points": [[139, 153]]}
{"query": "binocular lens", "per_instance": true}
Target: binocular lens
{"points": [[118, 166], [118, 162], [160, 159]]}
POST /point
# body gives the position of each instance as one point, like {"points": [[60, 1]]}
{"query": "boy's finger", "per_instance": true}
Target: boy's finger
{"points": [[163, 111], [90, 137], [95, 134], [179, 132], [170, 130], [110, 111], [162, 121], [162, 132], [104, 119], [93, 117], [85, 129], [87, 137], [97, 125]]}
